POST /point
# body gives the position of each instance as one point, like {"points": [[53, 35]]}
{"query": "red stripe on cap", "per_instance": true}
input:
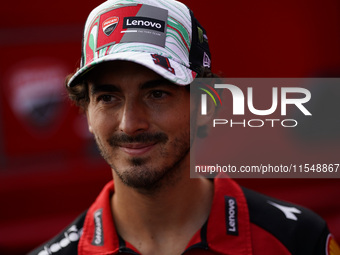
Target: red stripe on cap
{"points": [[181, 36]]}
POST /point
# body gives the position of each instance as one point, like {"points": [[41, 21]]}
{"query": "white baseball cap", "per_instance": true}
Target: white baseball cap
{"points": [[162, 35]]}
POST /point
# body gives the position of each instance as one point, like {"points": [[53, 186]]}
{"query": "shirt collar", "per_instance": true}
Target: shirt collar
{"points": [[228, 230], [229, 206]]}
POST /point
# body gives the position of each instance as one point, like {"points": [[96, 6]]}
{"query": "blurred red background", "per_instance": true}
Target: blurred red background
{"points": [[50, 170]]}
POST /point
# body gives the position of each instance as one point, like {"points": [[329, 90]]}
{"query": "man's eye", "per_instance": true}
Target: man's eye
{"points": [[105, 98], [158, 94]]}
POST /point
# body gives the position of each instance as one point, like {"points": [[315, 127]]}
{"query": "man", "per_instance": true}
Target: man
{"points": [[139, 58]]}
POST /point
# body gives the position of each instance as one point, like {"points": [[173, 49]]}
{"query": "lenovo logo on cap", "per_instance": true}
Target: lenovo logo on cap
{"points": [[109, 25], [144, 22]]}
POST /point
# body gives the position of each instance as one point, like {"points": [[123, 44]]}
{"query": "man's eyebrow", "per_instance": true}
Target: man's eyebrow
{"points": [[97, 88], [157, 83]]}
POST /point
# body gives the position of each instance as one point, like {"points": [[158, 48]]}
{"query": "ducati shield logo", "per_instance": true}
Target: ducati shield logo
{"points": [[109, 25]]}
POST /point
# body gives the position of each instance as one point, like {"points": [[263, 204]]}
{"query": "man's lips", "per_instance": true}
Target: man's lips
{"points": [[136, 149]]}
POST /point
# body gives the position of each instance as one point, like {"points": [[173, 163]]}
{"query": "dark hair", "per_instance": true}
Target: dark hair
{"points": [[78, 94]]}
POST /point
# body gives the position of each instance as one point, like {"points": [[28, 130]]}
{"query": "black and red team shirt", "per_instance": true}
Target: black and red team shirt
{"points": [[241, 222]]}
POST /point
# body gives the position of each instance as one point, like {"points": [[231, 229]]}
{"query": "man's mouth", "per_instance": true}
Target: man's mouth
{"points": [[136, 149], [137, 145]]}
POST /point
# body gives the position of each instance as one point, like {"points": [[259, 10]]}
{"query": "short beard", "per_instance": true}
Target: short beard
{"points": [[140, 177]]}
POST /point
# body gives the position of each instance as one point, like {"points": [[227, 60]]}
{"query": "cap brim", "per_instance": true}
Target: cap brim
{"points": [[178, 74]]}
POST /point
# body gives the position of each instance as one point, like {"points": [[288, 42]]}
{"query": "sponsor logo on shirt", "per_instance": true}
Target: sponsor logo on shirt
{"points": [[71, 235], [332, 248], [231, 216], [98, 238], [288, 211]]}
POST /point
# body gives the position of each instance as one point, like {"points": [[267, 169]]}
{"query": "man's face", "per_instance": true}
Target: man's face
{"points": [[141, 123]]}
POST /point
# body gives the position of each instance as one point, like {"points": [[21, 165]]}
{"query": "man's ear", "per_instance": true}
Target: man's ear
{"points": [[203, 120]]}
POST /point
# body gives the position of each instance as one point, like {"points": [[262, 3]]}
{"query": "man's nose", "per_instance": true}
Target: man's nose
{"points": [[134, 118]]}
